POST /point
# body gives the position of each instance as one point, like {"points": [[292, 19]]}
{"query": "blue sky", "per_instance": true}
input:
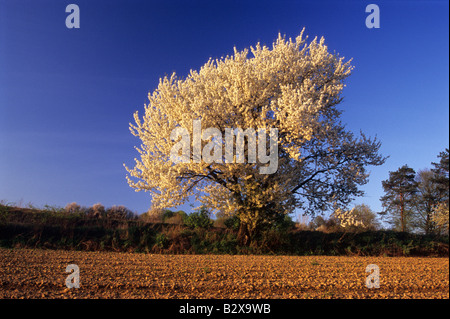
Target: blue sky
{"points": [[68, 95]]}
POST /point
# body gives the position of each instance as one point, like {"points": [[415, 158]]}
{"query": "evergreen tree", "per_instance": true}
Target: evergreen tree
{"points": [[441, 179], [400, 190]]}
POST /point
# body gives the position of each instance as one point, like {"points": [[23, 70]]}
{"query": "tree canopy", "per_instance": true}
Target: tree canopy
{"points": [[294, 87], [398, 201]]}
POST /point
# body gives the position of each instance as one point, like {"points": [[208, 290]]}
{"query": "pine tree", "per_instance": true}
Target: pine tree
{"points": [[441, 171], [400, 189], [441, 179]]}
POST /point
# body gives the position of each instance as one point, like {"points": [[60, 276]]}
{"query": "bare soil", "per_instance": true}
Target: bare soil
{"points": [[28, 273]]}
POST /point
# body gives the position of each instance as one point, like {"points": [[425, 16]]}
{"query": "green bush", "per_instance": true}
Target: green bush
{"points": [[232, 223], [199, 219], [161, 241]]}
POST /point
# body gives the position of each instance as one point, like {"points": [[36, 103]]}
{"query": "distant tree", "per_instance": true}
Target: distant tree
{"points": [[441, 218], [441, 179], [120, 213], [181, 215], [302, 222], [72, 208], [316, 222], [367, 216], [96, 211], [284, 223], [171, 217], [427, 197], [152, 216], [400, 190], [359, 218], [167, 214], [348, 220], [322, 224]]}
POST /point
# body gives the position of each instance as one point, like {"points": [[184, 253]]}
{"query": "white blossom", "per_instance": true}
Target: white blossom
{"points": [[348, 218], [293, 87]]}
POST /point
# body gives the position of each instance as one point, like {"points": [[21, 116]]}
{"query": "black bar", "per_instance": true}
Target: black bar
{"points": [[221, 308]]}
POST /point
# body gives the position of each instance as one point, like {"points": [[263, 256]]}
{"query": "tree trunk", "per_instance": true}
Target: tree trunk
{"points": [[243, 235], [402, 212], [428, 222]]}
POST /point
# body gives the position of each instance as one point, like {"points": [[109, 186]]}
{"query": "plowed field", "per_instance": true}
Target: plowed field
{"points": [[26, 273]]}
